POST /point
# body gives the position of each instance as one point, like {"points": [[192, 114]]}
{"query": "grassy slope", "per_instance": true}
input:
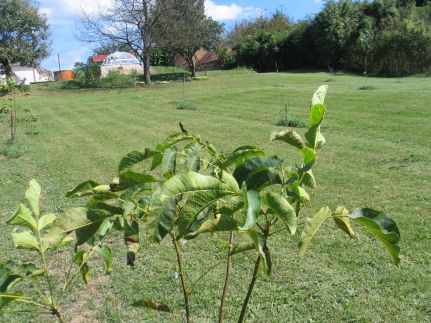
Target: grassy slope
{"points": [[378, 155]]}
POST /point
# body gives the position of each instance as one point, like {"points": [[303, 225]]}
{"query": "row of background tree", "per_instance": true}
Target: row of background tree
{"points": [[381, 36], [389, 37]]}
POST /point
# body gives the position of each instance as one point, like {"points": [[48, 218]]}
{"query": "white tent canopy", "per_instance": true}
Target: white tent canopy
{"points": [[120, 58]]}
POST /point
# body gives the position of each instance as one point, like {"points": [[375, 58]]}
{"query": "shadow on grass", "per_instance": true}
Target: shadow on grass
{"points": [[174, 77]]}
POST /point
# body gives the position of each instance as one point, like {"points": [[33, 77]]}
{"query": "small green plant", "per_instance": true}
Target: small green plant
{"points": [[33, 283], [115, 79], [14, 149], [367, 88], [191, 189], [186, 106], [288, 120], [30, 122]]}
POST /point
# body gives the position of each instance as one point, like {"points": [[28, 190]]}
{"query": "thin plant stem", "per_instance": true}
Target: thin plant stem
{"points": [[250, 290], [58, 315], [25, 300], [227, 278], [181, 273], [68, 282], [52, 301]]}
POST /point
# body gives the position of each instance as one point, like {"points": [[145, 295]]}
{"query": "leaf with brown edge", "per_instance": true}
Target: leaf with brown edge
{"points": [[154, 305], [342, 220]]}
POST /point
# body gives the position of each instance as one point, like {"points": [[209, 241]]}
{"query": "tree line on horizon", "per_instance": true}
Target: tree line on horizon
{"points": [[386, 37], [389, 37]]}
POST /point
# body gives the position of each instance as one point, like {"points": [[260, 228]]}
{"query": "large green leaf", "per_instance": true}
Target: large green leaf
{"points": [[282, 209], [161, 217], [342, 220], [301, 194], [32, 194], [10, 275], [289, 136], [315, 138], [45, 221], [382, 227], [230, 181], [134, 158], [221, 222], [83, 189], [96, 214], [319, 95], [24, 218], [169, 162], [317, 113], [261, 247], [262, 177], [243, 170], [312, 227], [313, 135], [106, 254], [29, 270], [193, 163], [309, 156], [25, 240], [192, 182], [308, 179], [72, 220], [241, 154], [81, 260], [129, 179], [132, 240], [154, 305], [252, 202], [174, 139], [199, 192]]}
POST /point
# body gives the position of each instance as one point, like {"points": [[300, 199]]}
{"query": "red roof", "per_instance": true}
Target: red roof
{"points": [[98, 58]]}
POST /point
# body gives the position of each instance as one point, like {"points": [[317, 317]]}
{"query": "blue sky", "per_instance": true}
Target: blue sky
{"points": [[62, 16]]}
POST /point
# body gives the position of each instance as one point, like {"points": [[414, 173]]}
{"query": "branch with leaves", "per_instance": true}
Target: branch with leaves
{"points": [[184, 188]]}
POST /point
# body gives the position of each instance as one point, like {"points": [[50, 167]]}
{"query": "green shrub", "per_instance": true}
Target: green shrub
{"points": [[115, 79], [14, 149], [30, 123], [88, 75], [290, 121], [186, 106]]}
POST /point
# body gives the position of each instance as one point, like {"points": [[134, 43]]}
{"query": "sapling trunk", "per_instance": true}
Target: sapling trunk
{"points": [[58, 315], [266, 234], [227, 279], [250, 290], [182, 278], [13, 121]]}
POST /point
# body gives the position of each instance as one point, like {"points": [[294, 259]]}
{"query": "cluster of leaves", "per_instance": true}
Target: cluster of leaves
{"points": [[41, 232], [116, 79], [24, 34], [185, 188]]}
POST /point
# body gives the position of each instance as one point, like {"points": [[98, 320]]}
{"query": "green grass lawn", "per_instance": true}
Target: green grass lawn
{"points": [[378, 155]]}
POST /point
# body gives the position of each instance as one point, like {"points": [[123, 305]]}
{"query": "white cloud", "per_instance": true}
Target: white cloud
{"points": [[230, 12], [90, 7]]}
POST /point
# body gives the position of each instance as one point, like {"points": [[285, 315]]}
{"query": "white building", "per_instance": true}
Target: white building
{"points": [[25, 75]]}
